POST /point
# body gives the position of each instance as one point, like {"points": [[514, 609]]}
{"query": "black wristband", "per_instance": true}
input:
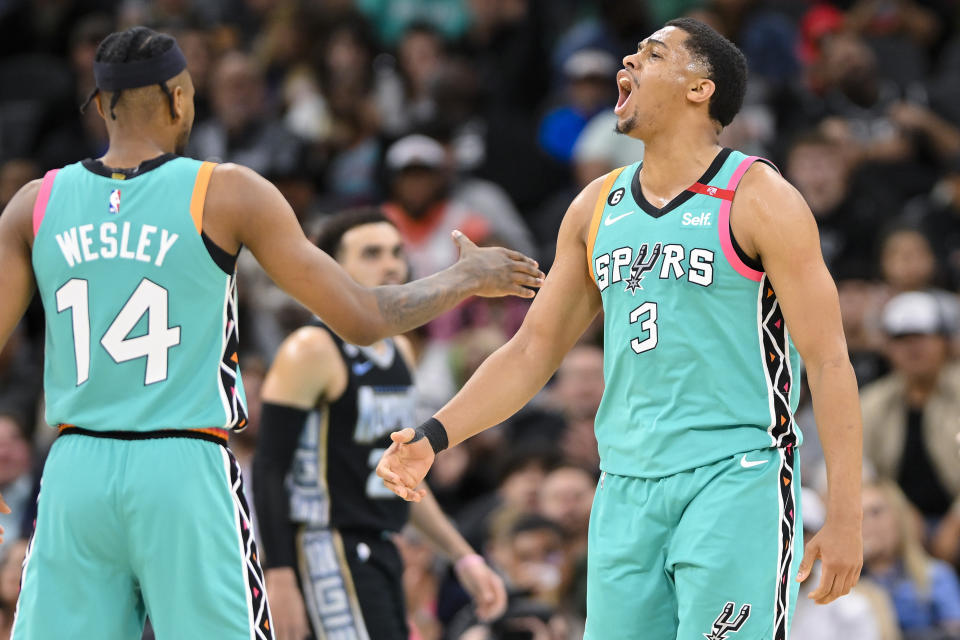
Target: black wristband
{"points": [[435, 433]]}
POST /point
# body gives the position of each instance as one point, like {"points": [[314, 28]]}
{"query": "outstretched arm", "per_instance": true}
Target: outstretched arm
{"points": [[481, 582], [509, 378], [773, 220], [244, 208]]}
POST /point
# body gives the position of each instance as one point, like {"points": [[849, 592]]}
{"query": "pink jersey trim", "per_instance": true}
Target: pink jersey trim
{"points": [[40, 206], [726, 242]]}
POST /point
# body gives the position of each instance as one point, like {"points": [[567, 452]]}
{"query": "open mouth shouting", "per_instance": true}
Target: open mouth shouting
{"points": [[625, 87]]}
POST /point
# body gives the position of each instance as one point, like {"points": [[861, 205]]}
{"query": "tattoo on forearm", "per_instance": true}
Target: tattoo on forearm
{"points": [[408, 306]]}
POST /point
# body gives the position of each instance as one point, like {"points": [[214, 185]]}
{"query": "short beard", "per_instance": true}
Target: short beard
{"points": [[628, 125]]}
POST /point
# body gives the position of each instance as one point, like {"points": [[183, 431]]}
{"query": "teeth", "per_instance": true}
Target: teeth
{"points": [[624, 84]]}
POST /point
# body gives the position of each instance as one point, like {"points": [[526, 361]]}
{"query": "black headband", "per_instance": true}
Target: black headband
{"points": [[116, 76]]}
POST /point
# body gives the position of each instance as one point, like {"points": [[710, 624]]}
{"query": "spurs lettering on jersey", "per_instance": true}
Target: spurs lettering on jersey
{"points": [[674, 260]]}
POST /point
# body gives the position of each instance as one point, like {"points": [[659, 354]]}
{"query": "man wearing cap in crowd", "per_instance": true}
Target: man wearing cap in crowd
{"points": [[910, 417], [588, 74], [427, 204]]}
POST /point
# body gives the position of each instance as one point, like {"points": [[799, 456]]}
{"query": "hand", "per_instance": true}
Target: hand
{"points": [[840, 549], [405, 464], [497, 271], [3, 509], [484, 586], [286, 605], [910, 116]]}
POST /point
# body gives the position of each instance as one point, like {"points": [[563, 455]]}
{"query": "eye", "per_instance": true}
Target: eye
{"points": [[655, 55]]}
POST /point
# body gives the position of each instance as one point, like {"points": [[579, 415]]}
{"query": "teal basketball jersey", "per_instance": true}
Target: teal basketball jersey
{"points": [[141, 322], [698, 363]]}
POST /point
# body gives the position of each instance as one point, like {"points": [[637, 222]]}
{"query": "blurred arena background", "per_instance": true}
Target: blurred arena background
{"points": [[489, 116]]}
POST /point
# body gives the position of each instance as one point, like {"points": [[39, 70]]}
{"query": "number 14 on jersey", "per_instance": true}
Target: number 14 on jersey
{"points": [[148, 298]]}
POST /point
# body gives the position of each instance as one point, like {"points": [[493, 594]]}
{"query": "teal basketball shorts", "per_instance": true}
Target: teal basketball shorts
{"points": [[711, 553], [133, 527]]}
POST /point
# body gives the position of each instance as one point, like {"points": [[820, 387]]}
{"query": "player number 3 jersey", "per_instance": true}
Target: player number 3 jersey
{"points": [[698, 363]]}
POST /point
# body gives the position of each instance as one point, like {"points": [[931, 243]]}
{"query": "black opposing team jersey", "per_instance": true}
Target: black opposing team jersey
{"points": [[333, 480]]}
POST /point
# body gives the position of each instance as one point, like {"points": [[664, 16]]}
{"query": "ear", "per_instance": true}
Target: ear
{"points": [[701, 90], [178, 102], [98, 99]]}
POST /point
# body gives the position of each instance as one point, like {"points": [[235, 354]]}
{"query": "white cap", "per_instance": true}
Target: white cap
{"points": [[917, 312], [416, 151], [587, 63]]}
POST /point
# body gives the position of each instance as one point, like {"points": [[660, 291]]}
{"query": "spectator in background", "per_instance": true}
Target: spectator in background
{"points": [[817, 166], [421, 583], [242, 129], [590, 86], [567, 419], [907, 261], [529, 549], [566, 498], [866, 613], [13, 554], [937, 213], [403, 90], [343, 61], [925, 592], [910, 416], [422, 206], [600, 148], [16, 476]]}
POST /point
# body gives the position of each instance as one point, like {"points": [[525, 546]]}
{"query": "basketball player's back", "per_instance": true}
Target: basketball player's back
{"points": [[145, 336]]}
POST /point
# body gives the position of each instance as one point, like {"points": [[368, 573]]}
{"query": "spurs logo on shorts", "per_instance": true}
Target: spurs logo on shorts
{"points": [[724, 625]]}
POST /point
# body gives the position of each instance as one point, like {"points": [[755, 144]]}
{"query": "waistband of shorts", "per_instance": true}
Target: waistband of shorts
{"points": [[218, 436]]}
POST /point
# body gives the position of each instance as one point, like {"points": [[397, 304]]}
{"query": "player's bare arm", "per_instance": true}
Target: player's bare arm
{"points": [[481, 582], [771, 220], [243, 208], [562, 310], [306, 370]]}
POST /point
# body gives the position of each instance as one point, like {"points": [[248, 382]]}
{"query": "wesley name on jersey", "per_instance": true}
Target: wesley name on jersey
{"points": [[87, 242]]}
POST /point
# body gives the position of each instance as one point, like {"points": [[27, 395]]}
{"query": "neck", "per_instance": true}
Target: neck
{"points": [[882, 564], [919, 389], [675, 158], [129, 148]]}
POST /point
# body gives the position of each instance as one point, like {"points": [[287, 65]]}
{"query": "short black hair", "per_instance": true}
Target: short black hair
{"points": [[132, 45], [726, 66], [535, 522], [337, 225]]}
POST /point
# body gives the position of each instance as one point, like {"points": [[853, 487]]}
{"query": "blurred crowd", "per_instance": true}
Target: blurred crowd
{"points": [[488, 116]]}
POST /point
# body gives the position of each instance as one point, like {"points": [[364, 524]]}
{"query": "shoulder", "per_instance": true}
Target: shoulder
{"points": [[239, 188], [307, 367], [765, 192], [586, 203], [229, 176], [309, 346]]}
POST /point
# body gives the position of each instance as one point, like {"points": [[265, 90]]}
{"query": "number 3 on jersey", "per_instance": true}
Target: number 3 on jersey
{"points": [[648, 324], [148, 298]]}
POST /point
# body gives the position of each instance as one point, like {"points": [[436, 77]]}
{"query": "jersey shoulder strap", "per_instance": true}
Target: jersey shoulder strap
{"points": [[199, 196], [598, 215]]}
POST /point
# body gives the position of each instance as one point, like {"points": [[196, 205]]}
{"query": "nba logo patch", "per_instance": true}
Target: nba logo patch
{"points": [[114, 201]]}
